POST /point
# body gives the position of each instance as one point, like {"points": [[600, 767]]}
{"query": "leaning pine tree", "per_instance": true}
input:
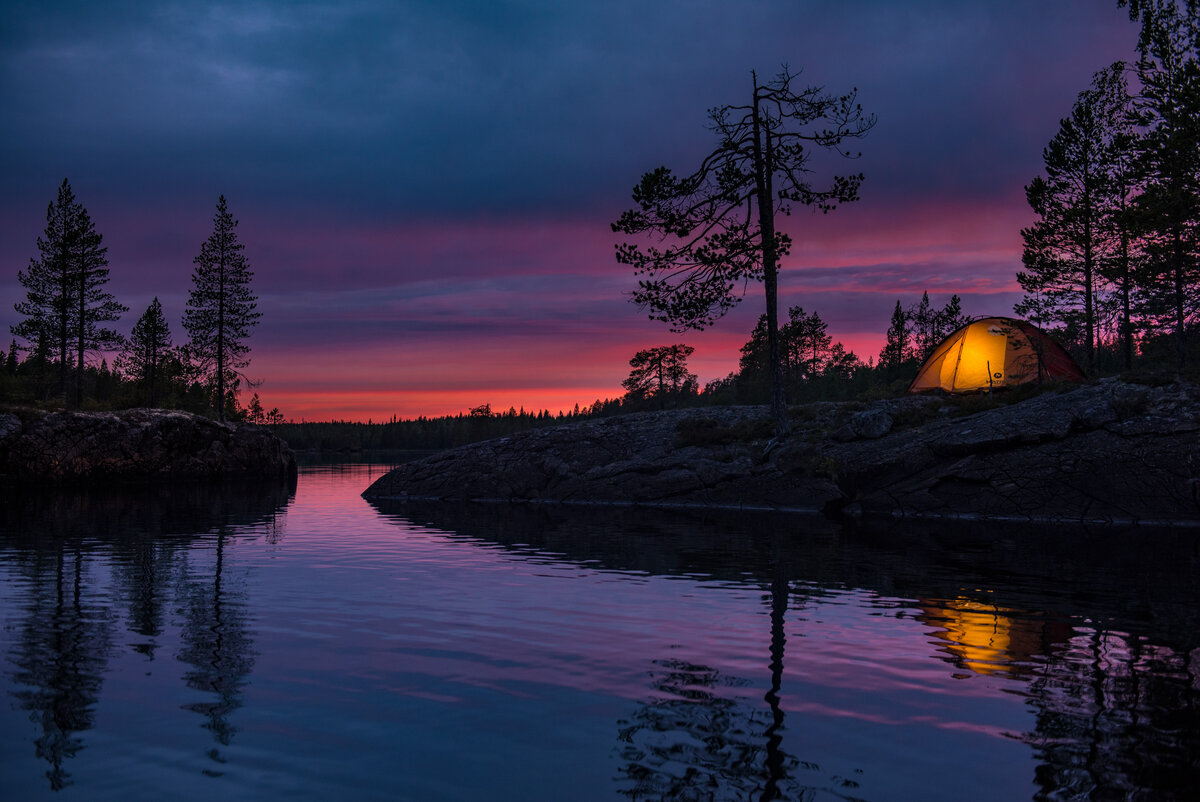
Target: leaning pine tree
{"points": [[220, 309], [713, 231]]}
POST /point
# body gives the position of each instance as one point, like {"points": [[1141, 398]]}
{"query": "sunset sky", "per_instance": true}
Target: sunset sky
{"points": [[425, 189]]}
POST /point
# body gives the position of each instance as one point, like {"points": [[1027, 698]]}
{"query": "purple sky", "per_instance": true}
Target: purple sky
{"points": [[425, 189]]}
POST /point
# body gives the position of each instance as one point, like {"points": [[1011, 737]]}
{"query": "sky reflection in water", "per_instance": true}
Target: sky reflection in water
{"points": [[254, 643]]}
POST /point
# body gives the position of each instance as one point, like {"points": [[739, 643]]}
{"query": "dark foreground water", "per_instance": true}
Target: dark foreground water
{"points": [[265, 643]]}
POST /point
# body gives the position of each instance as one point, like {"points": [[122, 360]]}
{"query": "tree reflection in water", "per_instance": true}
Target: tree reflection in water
{"points": [[145, 536], [1099, 631], [218, 647], [694, 741], [61, 657], [1115, 714], [144, 573]]}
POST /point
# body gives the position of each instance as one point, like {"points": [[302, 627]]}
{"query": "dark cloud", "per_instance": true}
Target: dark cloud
{"points": [[463, 107]]}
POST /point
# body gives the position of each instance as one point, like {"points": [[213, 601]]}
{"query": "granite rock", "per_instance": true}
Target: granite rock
{"points": [[137, 445], [1103, 452]]}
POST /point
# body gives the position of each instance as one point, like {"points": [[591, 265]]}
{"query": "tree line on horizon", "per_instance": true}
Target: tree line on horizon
{"points": [[57, 356]]}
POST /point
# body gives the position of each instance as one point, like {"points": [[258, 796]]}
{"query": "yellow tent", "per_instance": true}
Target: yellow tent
{"points": [[994, 352]]}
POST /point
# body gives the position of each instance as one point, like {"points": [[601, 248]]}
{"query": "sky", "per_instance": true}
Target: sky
{"points": [[425, 189]]}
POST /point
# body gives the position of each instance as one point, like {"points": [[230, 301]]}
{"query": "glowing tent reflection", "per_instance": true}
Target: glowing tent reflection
{"points": [[984, 638]]}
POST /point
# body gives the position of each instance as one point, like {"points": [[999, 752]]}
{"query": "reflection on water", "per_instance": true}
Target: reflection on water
{"points": [[1114, 715], [298, 642], [1119, 713], [217, 647], [60, 657], [987, 639], [61, 545], [689, 741]]}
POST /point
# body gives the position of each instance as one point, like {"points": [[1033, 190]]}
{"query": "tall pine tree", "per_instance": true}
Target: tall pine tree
{"points": [[221, 309], [1076, 203], [65, 301], [897, 350], [1169, 160], [712, 232], [93, 304]]}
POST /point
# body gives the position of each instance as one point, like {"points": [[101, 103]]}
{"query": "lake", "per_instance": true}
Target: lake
{"points": [[301, 643]]}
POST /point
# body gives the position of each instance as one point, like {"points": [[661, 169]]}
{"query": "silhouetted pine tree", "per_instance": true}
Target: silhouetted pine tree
{"points": [[806, 342], [660, 373], [93, 304], [254, 411], [924, 327], [714, 230], [65, 302], [1077, 203], [947, 320], [148, 347], [896, 350], [221, 309], [1169, 160]]}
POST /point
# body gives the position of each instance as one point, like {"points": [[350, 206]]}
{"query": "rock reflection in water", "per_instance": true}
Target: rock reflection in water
{"points": [[64, 542], [1098, 630]]}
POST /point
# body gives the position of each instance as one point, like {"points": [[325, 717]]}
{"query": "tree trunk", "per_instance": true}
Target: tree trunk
{"points": [[1126, 323], [221, 336], [1180, 344], [1089, 312], [151, 396], [776, 758], [766, 225], [64, 335], [81, 323]]}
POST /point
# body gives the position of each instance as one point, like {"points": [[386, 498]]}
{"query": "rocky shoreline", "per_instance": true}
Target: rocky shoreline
{"points": [[1105, 453], [134, 446]]}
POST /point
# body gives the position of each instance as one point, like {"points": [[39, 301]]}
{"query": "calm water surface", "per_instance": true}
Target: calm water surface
{"points": [[252, 643]]}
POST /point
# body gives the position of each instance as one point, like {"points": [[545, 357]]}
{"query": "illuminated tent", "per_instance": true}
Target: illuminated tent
{"points": [[994, 352]]}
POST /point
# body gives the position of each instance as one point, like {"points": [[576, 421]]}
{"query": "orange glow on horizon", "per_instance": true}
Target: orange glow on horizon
{"points": [[380, 406], [404, 386]]}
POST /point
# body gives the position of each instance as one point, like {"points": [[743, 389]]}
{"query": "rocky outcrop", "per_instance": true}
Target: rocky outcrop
{"points": [[137, 445], [1108, 452]]}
